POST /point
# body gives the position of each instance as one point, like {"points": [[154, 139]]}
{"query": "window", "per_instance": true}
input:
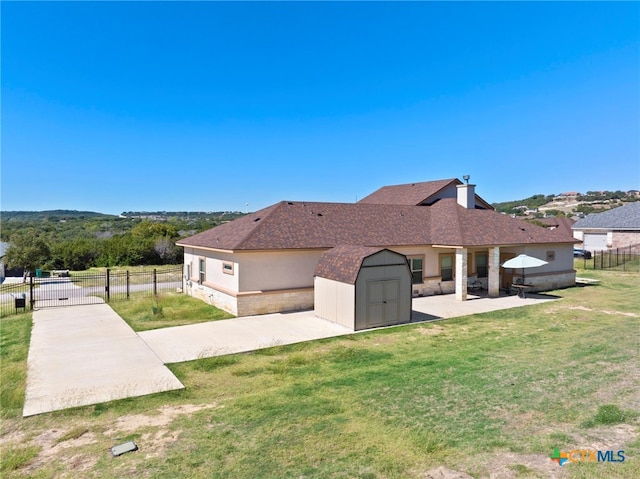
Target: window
{"points": [[551, 256], [417, 270], [227, 268], [446, 267], [481, 265], [202, 276]]}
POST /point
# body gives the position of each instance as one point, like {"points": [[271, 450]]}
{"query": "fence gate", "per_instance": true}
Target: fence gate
{"points": [[68, 291], [60, 289]]}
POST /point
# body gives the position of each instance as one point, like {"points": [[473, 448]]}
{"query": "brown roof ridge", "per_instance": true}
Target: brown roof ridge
{"points": [[270, 212], [389, 194], [413, 183], [446, 221]]}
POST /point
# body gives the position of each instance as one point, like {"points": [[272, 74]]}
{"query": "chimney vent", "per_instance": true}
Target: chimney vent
{"points": [[467, 196]]}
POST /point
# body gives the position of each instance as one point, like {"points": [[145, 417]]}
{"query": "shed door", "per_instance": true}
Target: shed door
{"points": [[383, 302], [595, 241]]}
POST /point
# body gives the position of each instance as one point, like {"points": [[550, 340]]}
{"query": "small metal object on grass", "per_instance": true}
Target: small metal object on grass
{"points": [[120, 449]]}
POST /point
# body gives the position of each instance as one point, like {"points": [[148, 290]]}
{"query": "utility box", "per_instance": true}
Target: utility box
{"points": [[21, 303]]}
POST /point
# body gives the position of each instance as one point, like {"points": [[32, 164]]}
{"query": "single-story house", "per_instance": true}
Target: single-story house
{"points": [[615, 228], [266, 261]]}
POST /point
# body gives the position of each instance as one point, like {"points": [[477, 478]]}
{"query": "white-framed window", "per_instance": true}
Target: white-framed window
{"points": [[227, 267], [202, 271]]}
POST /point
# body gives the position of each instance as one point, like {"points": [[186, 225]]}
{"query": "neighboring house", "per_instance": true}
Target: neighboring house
{"points": [[569, 194], [3, 250], [266, 261], [615, 228]]}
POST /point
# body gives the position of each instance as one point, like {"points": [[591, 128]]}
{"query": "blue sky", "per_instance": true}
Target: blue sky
{"points": [[206, 106]]}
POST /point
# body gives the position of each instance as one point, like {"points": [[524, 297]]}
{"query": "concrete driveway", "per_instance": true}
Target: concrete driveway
{"points": [[81, 355]]}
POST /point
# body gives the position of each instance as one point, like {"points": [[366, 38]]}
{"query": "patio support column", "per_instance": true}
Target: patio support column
{"points": [[494, 272], [461, 274]]}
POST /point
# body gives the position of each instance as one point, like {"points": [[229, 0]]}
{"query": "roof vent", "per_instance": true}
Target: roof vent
{"points": [[319, 214], [289, 202], [257, 219]]}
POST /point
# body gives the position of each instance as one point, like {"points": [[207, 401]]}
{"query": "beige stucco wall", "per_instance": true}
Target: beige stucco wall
{"points": [[559, 273], [335, 301], [214, 274], [269, 270]]}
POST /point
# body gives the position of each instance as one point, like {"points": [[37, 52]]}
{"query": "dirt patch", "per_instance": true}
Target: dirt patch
{"points": [[153, 443], [444, 473], [82, 451], [604, 311], [606, 437], [432, 331], [509, 465], [52, 448], [166, 415]]}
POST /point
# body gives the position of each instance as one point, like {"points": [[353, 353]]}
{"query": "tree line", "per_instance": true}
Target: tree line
{"points": [[147, 243]]}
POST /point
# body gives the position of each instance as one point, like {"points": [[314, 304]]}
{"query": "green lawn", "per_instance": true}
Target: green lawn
{"points": [[144, 312], [489, 393]]}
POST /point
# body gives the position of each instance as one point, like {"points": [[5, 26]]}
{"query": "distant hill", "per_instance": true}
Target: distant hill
{"points": [[52, 215], [165, 215], [567, 204]]}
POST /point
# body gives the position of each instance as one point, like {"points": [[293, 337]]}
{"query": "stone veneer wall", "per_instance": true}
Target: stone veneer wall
{"points": [[541, 282], [249, 304], [226, 302], [275, 301], [436, 286], [546, 282]]}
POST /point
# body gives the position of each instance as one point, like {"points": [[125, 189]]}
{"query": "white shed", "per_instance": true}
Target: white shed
{"points": [[363, 287]]}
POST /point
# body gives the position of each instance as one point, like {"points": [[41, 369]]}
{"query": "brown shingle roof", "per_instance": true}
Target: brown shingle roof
{"points": [[343, 262], [300, 225], [560, 223], [410, 194]]}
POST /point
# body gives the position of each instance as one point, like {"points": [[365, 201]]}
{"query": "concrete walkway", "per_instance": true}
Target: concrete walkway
{"points": [[83, 355], [217, 338]]}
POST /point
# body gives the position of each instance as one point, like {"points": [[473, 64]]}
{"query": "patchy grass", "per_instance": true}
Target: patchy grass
{"points": [[492, 393], [143, 312], [15, 333], [610, 414], [16, 457]]}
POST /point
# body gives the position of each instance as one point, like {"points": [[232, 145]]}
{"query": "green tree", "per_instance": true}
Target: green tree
{"points": [[27, 250], [147, 229]]}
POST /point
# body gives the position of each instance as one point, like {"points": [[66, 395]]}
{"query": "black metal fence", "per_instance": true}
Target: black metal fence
{"points": [[86, 288], [619, 259]]}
